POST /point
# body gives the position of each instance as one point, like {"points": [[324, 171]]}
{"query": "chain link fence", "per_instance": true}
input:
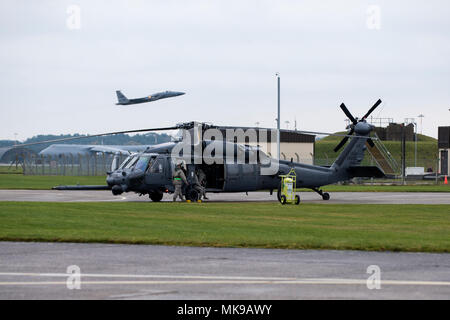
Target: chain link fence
{"points": [[96, 164]]}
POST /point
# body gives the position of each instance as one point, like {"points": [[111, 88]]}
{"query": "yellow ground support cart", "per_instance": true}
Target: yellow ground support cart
{"points": [[288, 183]]}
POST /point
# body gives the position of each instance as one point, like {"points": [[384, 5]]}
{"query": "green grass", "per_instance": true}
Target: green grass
{"points": [[427, 151], [420, 138], [17, 181], [11, 169], [269, 225]]}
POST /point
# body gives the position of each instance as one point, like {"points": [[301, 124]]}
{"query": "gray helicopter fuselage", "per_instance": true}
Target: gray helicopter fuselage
{"points": [[151, 171], [245, 168]]}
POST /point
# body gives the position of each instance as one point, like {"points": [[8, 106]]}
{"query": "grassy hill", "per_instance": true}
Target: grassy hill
{"points": [[427, 151]]}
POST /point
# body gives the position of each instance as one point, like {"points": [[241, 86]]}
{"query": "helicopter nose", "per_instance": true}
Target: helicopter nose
{"points": [[116, 190], [179, 93]]}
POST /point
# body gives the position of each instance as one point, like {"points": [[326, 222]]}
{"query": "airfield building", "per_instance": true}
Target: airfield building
{"points": [[444, 148], [293, 145], [14, 154], [393, 132]]}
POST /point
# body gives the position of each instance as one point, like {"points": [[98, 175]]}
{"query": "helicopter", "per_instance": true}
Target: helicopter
{"points": [[246, 168]]}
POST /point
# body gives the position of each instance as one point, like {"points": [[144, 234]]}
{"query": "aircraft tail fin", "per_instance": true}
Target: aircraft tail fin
{"points": [[121, 97], [349, 159]]}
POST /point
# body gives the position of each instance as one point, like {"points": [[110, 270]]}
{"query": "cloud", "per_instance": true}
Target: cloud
{"points": [[224, 55]]}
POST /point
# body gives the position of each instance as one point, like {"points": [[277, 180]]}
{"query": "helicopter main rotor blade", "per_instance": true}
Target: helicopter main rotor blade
{"points": [[371, 109], [177, 127], [295, 131], [347, 113], [96, 135], [343, 141]]}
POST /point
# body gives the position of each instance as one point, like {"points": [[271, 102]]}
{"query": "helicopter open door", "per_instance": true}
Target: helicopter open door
{"points": [[214, 176], [157, 171]]}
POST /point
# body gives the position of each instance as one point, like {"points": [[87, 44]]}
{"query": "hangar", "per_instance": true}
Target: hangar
{"points": [[14, 154]]}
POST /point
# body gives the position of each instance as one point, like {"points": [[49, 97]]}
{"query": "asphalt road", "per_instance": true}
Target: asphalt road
{"points": [[307, 197], [39, 271]]}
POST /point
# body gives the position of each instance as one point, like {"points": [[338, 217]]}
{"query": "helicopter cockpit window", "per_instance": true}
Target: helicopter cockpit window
{"points": [[131, 162], [125, 162], [142, 163]]}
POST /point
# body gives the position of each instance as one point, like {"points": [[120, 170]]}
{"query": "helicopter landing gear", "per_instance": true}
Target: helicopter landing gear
{"points": [[192, 194], [279, 192], [156, 196], [325, 195]]}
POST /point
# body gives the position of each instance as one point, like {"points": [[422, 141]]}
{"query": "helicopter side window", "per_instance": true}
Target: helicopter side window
{"points": [[142, 163], [156, 166]]}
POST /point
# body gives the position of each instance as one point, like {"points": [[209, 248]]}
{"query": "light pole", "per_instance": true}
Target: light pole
{"points": [[278, 118], [413, 121], [415, 144], [287, 124], [421, 127]]}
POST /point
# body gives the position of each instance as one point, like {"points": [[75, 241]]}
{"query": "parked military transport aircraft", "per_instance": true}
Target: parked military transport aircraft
{"points": [[150, 172], [122, 100]]}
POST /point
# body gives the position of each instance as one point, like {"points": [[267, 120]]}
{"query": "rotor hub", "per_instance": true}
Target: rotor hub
{"points": [[363, 128]]}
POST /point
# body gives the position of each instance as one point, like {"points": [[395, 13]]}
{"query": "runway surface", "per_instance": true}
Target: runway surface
{"points": [[39, 271], [306, 197]]}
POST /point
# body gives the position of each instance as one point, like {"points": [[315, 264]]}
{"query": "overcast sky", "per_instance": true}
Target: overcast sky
{"points": [[57, 79]]}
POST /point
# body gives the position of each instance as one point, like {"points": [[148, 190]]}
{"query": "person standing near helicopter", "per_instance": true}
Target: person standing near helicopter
{"points": [[202, 180], [178, 179]]}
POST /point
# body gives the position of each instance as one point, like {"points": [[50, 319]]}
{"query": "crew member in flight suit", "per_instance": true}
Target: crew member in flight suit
{"points": [[197, 185], [178, 178], [202, 180]]}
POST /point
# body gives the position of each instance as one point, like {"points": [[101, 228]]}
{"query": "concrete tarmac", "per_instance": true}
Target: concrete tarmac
{"points": [[306, 197], [109, 271], [39, 270]]}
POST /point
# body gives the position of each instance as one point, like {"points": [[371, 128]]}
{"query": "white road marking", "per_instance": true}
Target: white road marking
{"points": [[214, 280], [142, 293], [102, 275], [235, 282]]}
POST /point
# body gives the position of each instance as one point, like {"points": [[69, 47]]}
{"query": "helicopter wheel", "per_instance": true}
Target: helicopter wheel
{"points": [[326, 196], [192, 194], [279, 192], [156, 196]]}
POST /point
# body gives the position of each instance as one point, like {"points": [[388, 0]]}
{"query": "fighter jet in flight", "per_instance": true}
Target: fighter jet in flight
{"points": [[122, 100]]}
